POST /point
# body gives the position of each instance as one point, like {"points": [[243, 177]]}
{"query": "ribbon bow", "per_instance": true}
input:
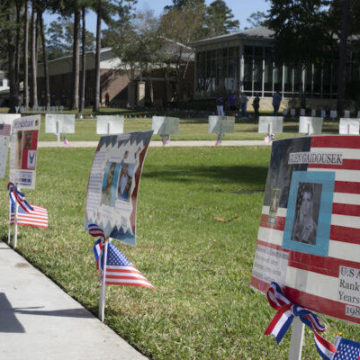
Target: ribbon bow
{"points": [[19, 197], [96, 231], [286, 311]]}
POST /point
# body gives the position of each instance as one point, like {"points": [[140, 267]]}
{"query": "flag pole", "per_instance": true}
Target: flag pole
{"points": [[58, 131], [103, 285], [16, 223], [297, 337], [9, 231]]}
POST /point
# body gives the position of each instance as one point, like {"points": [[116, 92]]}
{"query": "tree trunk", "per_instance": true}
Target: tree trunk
{"points": [[26, 55], [83, 61], [97, 59], [46, 69], [17, 46], [76, 61], [11, 47], [34, 99], [342, 56]]}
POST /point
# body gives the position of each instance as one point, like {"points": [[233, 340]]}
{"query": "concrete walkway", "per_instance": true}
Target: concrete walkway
{"points": [[187, 143], [39, 321]]}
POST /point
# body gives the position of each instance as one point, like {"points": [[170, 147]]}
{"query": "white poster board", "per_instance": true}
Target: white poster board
{"points": [[23, 151], [349, 126], [221, 124], [307, 240], [60, 123], [271, 124], [165, 125], [8, 118], [310, 125], [5, 130], [109, 124], [113, 184]]}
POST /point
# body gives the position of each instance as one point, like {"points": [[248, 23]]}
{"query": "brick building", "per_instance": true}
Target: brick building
{"points": [[119, 85]]}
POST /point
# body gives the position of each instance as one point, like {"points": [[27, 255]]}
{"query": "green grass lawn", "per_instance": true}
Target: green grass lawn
{"points": [[189, 129], [203, 307]]}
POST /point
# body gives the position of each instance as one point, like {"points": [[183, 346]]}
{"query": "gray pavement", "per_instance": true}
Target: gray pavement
{"points": [[39, 321], [187, 143]]}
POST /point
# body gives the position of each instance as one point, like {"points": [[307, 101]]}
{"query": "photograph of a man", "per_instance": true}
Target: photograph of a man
{"points": [[307, 213]]}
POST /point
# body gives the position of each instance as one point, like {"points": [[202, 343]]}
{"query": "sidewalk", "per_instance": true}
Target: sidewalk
{"points": [[182, 143], [39, 321]]}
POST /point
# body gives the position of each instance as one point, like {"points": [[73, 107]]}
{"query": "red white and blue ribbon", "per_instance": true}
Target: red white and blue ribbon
{"points": [[96, 231], [17, 196], [286, 311]]}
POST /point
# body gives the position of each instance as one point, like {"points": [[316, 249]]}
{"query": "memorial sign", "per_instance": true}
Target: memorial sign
{"points": [[164, 125], [221, 124], [270, 124], [114, 182], [60, 124], [109, 124], [5, 130], [309, 235], [8, 118], [349, 126], [310, 125], [23, 151]]}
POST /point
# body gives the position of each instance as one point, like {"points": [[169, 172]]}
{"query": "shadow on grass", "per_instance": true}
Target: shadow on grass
{"points": [[251, 175]]}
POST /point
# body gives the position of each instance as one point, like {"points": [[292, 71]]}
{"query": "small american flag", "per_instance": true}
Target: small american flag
{"points": [[98, 248], [165, 139], [66, 141], [38, 217], [119, 270], [347, 349], [218, 140]]}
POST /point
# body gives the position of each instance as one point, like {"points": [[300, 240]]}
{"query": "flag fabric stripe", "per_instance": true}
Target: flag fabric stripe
{"points": [[345, 198], [347, 187], [346, 142], [346, 209], [345, 234], [132, 283], [35, 218], [119, 270]]}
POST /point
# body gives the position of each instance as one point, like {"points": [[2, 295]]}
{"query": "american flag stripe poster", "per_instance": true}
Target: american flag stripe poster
{"points": [[309, 234], [36, 218]]}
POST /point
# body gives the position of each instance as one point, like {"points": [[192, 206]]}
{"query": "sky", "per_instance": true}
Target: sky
{"points": [[241, 9]]}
